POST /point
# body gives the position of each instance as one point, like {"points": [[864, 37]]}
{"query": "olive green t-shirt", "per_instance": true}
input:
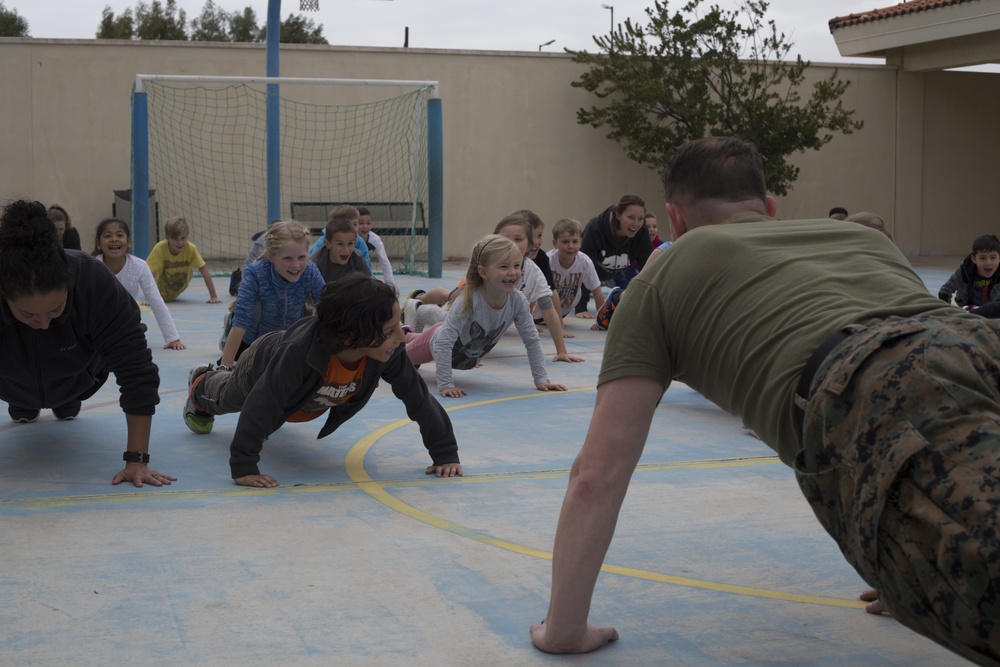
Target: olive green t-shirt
{"points": [[734, 311]]}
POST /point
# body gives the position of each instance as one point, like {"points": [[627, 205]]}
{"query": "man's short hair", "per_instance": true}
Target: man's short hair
{"points": [[566, 226], [869, 220], [986, 243], [721, 168]]}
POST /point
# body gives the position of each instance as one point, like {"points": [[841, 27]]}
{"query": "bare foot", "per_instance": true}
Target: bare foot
{"points": [[874, 605]]}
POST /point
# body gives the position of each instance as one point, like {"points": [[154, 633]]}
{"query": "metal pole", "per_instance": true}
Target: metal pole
{"points": [[273, 107], [435, 189], [140, 174]]}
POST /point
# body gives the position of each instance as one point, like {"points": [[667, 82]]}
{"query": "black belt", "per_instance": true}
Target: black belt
{"points": [[821, 353]]}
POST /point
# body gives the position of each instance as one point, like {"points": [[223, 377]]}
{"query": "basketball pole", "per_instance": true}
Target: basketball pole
{"points": [[273, 109], [139, 208]]}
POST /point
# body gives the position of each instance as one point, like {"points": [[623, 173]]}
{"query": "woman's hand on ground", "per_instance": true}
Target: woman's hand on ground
{"points": [[258, 481], [137, 473]]}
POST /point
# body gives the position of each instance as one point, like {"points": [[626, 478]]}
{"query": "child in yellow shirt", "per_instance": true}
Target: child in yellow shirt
{"points": [[174, 260]]}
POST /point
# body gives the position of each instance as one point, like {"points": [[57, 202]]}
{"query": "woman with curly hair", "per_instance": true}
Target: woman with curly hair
{"points": [[65, 324]]}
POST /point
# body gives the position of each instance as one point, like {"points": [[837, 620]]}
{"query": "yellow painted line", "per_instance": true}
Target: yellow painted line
{"points": [[119, 497], [732, 588], [354, 464], [151, 495]]}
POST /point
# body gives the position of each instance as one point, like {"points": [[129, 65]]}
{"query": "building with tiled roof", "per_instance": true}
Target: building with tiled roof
{"points": [[942, 136], [902, 9], [924, 35]]}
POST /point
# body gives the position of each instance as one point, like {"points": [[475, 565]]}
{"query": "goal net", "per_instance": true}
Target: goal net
{"points": [[360, 145]]}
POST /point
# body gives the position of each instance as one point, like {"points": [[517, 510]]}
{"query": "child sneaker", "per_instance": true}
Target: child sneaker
{"points": [[227, 324], [410, 312], [197, 420], [605, 312], [235, 278]]}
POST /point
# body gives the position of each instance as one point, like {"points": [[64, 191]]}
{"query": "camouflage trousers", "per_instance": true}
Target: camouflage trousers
{"points": [[901, 464]]}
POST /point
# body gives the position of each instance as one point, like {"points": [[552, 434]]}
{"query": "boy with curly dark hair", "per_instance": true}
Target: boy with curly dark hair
{"points": [[330, 362]]}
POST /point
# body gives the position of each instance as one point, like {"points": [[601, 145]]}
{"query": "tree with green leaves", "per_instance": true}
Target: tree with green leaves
{"points": [[685, 76], [156, 21], [297, 29], [115, 27], [212, 25], [12, 24], [243, 27]]}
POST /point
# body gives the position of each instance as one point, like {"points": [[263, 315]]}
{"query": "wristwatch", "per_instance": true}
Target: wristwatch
{"points": [[135, 457]]}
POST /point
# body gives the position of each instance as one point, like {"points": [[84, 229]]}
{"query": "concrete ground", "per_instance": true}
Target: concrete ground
{"points": [[359, 559]]}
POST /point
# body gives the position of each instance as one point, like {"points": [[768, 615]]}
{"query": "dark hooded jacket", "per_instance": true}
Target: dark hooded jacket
{"points": [[100, 331]]}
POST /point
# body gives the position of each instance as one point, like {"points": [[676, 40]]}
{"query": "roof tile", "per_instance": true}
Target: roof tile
{"points": [[912, 7]]}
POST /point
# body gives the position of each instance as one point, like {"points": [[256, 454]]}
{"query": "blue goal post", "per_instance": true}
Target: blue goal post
{"points": [[140, 154]]}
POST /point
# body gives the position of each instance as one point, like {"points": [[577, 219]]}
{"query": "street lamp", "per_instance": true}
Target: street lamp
{"points": [[551, 41], [612, 9]]}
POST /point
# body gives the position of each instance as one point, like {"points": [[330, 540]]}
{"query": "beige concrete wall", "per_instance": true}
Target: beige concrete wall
{"points": [[961, 161], [853, 171], [909, 164], [510, 134]]}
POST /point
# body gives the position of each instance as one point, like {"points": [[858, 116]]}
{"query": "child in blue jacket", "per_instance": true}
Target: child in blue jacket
{"points": [[275, 289]]}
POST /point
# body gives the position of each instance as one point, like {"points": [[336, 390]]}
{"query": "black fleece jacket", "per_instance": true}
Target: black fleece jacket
{"points": [[608, 256], [99, 331]]}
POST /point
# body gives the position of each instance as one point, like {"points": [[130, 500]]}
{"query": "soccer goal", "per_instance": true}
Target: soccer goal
{"points": [[202, 144]]}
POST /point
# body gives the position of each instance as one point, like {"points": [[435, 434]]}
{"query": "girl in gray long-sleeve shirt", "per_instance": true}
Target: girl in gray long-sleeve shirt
{"points": [[489, 303]]}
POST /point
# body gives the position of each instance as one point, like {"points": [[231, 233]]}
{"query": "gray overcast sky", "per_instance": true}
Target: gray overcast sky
{"points": [[508, 25]]}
